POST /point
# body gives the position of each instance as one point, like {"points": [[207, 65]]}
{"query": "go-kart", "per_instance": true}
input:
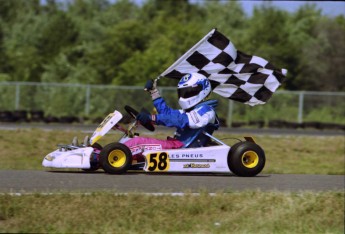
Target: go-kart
{"points": [[244, 158]]}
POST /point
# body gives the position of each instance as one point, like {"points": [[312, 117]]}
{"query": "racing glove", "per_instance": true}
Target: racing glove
{"points": [[145, 118], [151, 87]]}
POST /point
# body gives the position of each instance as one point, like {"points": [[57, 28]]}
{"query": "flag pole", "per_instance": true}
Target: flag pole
{"points": [[185, 55]]}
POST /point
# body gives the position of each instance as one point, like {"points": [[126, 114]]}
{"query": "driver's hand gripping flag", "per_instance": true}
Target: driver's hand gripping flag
{"points": [[232, 73]]}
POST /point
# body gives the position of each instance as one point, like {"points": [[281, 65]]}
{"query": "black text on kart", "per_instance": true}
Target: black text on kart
{"points": [[244, 158]]}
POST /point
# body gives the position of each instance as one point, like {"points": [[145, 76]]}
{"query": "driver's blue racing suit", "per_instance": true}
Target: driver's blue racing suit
{"points": [[189, 125]]}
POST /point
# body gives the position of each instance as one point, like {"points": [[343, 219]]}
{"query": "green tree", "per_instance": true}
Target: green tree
{"points": [[323, 58], [17, 52], [4, 67], [317, 47], [12, 11], [57, 33], [161, 53], [228, 17], [21, 47], [266, 35], [120, 42]]}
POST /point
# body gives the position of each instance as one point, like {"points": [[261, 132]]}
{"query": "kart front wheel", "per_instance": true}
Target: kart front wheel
{"points": [[246, 159], [115, 158]]}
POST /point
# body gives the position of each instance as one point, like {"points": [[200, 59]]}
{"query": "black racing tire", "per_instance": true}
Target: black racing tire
{"points": [[246, 159], [115, 158], [94, 165]]}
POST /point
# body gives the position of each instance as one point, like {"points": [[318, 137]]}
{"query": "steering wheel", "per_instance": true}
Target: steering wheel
{"points": [[133, 113]]}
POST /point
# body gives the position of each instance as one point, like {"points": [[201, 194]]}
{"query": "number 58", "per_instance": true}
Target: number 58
{"points": [[158, 161]]}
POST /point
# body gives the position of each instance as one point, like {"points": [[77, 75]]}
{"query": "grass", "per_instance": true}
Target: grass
{"points": [[225, 212], [25, 149], [243, 212]]}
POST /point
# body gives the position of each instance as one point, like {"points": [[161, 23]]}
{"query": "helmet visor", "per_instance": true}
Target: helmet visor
{"points": [[188, 92]]}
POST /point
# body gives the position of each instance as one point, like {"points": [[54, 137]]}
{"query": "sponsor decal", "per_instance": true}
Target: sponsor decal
{"points": [[196, 165], [49, 157], [104, 122], [194, 116], [185, 155], [141, 148], [193, 160]]}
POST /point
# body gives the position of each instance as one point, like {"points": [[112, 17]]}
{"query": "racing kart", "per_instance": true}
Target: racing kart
{"points": [[244, 158]]}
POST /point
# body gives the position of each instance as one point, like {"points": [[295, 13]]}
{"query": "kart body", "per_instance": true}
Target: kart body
{"points": [[245, 158]]}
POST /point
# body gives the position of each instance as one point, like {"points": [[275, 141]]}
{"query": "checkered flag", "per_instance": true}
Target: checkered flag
{"points": [[232, 73]]}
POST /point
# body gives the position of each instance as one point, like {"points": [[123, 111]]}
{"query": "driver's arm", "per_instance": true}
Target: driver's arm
{"points": [[167, 116], [162, 107]]}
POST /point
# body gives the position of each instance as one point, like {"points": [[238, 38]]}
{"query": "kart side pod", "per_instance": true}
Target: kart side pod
{"points": [[245, 158], [205, 159]]}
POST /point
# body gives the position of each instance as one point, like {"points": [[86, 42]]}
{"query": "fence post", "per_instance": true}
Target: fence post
{"points": [[229, 117], [17, 98], [300, 107], [87, 100]]}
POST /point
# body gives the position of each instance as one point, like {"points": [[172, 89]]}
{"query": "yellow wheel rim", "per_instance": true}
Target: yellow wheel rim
{"points": [[250, 159], [117, 158]]}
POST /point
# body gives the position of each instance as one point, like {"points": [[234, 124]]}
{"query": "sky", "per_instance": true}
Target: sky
{"points": [[330, 8]]}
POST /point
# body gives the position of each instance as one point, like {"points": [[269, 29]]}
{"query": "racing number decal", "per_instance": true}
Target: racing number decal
{"points": [[158, 161]]}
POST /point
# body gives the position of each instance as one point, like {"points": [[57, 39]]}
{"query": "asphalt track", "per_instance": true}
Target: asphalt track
{"points": [[27, 181], [49, 181]]}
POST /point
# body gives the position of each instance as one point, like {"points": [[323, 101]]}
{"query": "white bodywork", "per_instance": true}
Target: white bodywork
{"points": [[80, 157], [205, 159], [105, 126], [62, 158]]}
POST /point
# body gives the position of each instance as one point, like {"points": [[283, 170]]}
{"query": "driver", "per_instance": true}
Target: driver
{"points": [[196, 116]]}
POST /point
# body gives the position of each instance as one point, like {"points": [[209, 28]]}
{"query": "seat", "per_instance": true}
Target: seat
{"points": [[199, 139]]}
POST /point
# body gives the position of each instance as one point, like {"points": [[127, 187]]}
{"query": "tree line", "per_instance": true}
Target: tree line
{"points": [[123, 43]]}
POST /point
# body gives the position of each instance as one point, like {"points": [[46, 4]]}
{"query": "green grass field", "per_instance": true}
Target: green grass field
{"points": [[225, 212], [244, 212]]}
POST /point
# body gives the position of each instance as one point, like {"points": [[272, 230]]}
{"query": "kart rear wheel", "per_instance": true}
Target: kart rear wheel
{"points": [[115, 158], [246, 159]]}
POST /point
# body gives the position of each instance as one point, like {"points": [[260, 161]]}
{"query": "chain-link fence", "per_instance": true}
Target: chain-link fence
{"points": [[95, 101]]}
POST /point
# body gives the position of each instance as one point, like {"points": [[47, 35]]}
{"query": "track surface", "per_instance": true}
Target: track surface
{"points": [[26, 181], [30, 181]]}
